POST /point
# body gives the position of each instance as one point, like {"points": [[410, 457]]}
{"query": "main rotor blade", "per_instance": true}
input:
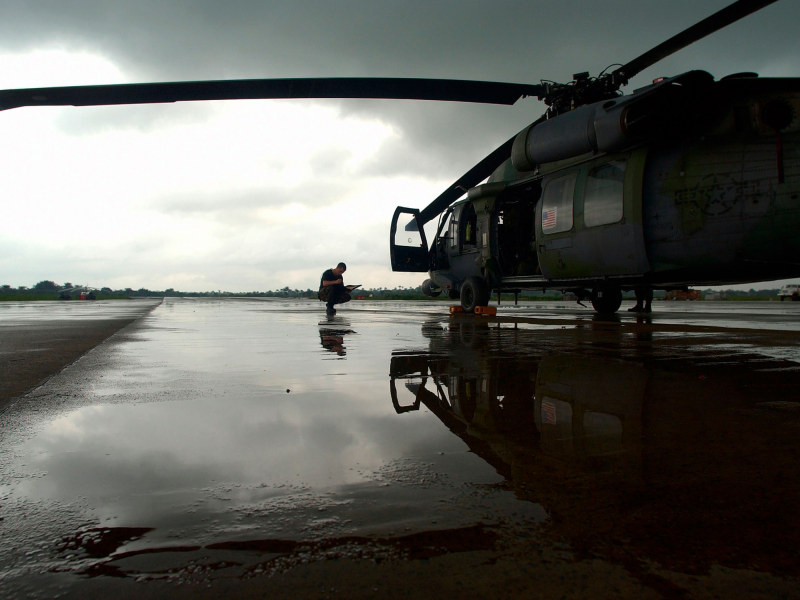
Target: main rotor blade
{"points": [[469, 179], [453, 90], [715, 22]]}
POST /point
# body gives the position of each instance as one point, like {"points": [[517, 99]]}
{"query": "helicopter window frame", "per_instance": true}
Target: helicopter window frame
{"points": [[604, 197], [559, 195], [469, 226], [455, 217]]}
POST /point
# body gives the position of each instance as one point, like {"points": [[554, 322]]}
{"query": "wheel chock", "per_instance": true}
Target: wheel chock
{"points": [[487, 311], [455, 308]]}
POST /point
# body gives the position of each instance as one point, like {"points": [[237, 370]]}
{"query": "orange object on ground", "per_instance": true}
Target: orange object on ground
{"points": [[488, 311], [455, 308]]}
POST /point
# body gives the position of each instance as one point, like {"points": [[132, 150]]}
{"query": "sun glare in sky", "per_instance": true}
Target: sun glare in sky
{"points": [[242, 195]]}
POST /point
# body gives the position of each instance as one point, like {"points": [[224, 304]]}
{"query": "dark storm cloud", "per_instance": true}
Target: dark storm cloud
{"points": [[435, 137], [522, 40], [519, 40]]}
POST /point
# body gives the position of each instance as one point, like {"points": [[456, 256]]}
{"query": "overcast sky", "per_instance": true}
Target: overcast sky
{"points": [[256, 195]]}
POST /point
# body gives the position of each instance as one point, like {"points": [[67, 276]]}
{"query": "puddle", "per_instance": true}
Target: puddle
{"points": [[251, 437]]}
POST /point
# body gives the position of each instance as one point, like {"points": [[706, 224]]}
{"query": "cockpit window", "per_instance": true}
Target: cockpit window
{"points": [[557, 200], [453, 227], [603, 197]]}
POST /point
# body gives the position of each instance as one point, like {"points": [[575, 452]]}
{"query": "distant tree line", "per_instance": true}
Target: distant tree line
{"points": [[751, 293], [48, 289]]}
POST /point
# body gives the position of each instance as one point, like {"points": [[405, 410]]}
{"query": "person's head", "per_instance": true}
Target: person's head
{"points": [[340, 268]]}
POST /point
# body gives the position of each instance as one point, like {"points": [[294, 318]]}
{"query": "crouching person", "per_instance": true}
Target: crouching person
{"points": [[331, 288]]}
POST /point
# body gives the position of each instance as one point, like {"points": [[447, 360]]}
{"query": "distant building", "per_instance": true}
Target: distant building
{"points": [[790, 291]]}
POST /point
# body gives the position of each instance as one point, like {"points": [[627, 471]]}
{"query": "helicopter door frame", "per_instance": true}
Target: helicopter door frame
{"points": [[599, 249], [409, 258], [558, 193], [454, 243]]}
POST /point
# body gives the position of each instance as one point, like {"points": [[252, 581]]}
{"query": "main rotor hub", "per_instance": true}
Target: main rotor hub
{"points": [[583, 89]]}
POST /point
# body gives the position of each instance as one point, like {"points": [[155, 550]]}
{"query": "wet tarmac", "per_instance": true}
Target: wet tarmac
{"points": [[38, 339], [258, 448]]}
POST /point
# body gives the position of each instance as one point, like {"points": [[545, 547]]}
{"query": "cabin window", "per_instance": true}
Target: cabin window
{"points": [[407, 234], [557, 204], [602, 434], [602, 202], [470, 225]]}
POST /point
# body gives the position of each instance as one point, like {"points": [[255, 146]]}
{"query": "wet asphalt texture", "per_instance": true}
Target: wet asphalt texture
{"points": [[39, 339], [259, 448]]}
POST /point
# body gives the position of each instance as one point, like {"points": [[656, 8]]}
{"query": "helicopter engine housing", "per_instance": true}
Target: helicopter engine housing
{"points": [[610, 125]]}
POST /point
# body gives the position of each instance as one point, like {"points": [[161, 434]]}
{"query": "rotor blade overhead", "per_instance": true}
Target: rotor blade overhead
{"points": [[469, 179], [452, 90], [715, 22]]}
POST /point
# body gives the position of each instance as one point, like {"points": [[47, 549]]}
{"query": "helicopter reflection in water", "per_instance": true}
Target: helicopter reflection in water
{"points": [[510, 408], [632, 461]]}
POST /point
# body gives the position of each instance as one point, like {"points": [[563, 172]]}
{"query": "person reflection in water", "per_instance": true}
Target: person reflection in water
{"points": [[331, 288], [333, 340]]}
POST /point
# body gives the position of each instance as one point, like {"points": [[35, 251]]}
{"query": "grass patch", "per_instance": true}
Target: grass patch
{"points": [[506, 298], [39, 297], [751, 299], [26, 297]]}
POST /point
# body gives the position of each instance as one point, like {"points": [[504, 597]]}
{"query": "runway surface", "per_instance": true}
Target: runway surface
{"points": [[257, 448], [38, 339]]}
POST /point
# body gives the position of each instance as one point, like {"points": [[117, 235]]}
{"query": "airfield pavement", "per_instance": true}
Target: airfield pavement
{"points": [[38, 339], [259, 448]]}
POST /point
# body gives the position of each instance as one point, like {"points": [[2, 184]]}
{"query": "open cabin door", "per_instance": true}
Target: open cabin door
{"points": [[408, 247]]}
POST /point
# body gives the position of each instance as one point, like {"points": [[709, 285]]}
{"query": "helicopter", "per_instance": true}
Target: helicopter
{"points": [[81, 292], [687, 181]]}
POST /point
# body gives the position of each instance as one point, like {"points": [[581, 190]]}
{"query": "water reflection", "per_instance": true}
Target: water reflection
{"points": [[619, 442], [509, 408], [652, 462], [644, 334], [332, 332]]}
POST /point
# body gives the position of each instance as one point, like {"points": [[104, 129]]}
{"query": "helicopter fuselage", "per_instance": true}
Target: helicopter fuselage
{"points": [[707, 192]]}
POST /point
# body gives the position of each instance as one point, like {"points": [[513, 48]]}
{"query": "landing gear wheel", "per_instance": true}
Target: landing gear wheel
{"points": [[606, 299], [474, 292], [473, 335]]}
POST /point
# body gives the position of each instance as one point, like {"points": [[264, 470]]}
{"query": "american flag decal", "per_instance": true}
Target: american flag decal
{"points": [[548, 413], [549, 218]]}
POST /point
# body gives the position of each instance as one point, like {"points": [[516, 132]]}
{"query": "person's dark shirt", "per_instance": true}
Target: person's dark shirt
{"points": [[328, 275]]}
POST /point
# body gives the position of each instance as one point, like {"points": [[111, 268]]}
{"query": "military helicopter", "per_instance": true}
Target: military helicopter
{"points": [[688, 181]]}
